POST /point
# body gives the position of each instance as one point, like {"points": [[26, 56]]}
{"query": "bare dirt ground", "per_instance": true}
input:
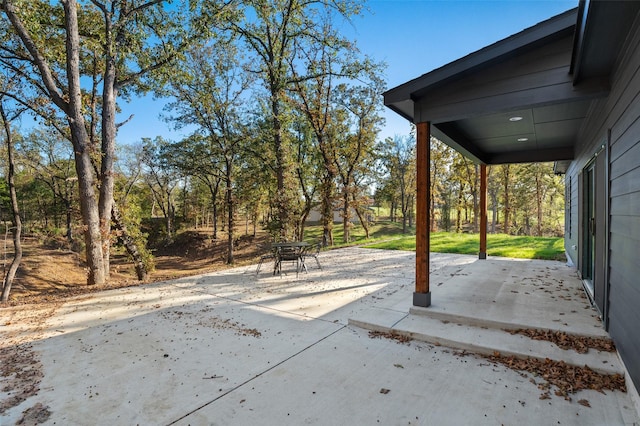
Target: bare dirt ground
{"points": [[50, 273]]}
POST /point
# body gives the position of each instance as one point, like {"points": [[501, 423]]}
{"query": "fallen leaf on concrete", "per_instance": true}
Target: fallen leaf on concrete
{"points": [[35, 415], [567, 379], [584, 402], [385, 391], [580, 344], [390, 335], [21, 373]]}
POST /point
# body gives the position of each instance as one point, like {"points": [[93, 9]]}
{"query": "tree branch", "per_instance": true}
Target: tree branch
{"points": [[38, 58]]}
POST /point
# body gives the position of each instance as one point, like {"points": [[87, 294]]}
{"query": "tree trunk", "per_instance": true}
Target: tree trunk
{"points": [[474, 194], [459, 209], [213, 189], [494, 218], [363, 221], [15, 210], [327, 194], [432, 213], [346, 217], [539, 199], [230, 209], [72, 106], [105, 204], [69, 218], [171, 214], [81, 143], [283, 206], [129, 244], [403, 207], [506, 187], [327, 211]]}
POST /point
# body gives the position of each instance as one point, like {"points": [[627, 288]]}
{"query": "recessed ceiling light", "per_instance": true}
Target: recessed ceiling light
{"points": [[523, 139], [515, 118]]}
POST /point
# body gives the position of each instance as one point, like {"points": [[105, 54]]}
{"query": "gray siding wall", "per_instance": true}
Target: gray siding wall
{"points": [[619, 113]]}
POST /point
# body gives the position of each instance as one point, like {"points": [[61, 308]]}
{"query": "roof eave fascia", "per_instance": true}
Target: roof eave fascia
{"points": [[578, 41]]}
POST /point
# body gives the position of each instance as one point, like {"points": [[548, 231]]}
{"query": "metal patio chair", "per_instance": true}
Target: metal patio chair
{"points": [[270, 255], [289, 254], [313, 252]]}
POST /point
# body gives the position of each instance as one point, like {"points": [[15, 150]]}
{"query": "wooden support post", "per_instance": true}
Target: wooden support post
{"points": [[483, 212], [422, 296]]}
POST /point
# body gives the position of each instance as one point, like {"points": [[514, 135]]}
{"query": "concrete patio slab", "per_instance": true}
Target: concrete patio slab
{"points": [[237, 348], [153, 367], [378, 381], [513, 293], [484, 340]]}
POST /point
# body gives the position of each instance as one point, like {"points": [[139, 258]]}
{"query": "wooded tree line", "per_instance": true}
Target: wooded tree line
{"points": [[281, 115], [522, 199], [277, 104]]}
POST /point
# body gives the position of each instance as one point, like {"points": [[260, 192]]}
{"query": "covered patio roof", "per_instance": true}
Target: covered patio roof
{"points": [[524, 98]]}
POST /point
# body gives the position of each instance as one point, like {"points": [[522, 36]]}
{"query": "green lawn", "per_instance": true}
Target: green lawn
{"points": [[388, 235], [380, 231], [524, 247]]}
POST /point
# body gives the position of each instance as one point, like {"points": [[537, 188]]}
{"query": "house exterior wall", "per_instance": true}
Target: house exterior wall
{"points": [[615, 122], [315, 216]]}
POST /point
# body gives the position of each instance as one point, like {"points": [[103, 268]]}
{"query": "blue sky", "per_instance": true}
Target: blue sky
{"points": [[412, 36]]}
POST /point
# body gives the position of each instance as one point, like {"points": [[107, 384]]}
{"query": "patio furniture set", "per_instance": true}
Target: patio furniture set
{"points": [[291, 251]]}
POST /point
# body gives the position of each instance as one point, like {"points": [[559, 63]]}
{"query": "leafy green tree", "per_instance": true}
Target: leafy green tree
{"points": [[275, 31], [162, 179], [398, 157], [315, 96], [50, 160], [129, 209], [117, 44], [360, 118], [535, 189], [308, 174], [440, 160], [38, 49], [208, 93], [386, 195]]}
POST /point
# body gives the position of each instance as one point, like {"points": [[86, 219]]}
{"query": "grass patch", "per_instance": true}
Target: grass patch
{"points": [[389, 236], [523, 247], [378, 232]]}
